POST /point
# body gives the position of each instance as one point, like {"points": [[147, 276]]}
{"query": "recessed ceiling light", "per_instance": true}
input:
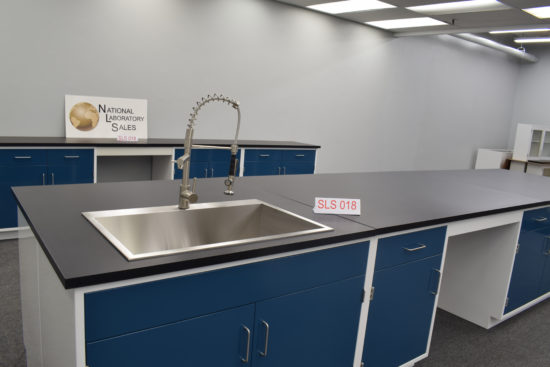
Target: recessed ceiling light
{"points": [[459, 7], [533, 40], [405, 23], [350, 6], [542, 12], [521, 30]]}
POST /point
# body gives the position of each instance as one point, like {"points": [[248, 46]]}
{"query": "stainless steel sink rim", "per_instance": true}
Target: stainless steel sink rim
{"points": [[93, 218]]}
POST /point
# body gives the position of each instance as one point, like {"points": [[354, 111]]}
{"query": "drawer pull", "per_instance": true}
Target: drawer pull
{"points": [[22, 157], [300, 155], [245, 360], [541, 219], [415, 249], [264, 155], [72, 156], [266, 325]]}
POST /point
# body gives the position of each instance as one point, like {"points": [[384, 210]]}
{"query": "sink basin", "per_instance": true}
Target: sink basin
{"points": [[158, 231]]}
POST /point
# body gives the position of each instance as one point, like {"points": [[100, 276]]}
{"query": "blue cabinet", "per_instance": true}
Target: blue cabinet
{"points": [[218, 339], [317, 327], [405, 285], [294, 311], [69, 166], [264, 162], [24, 167], [531, 273], [206, 163], [16, 176]]}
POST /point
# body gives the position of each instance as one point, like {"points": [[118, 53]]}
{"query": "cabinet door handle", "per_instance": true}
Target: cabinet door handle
{"points": [[438, 274], [541, 219], [245, 360], [279, 170], [53, 178], [266, 325], [264, 155], [206, 173], [22, 157], [43, 179], [284, 170], [211, 172], [422, 246], [72, 156]]}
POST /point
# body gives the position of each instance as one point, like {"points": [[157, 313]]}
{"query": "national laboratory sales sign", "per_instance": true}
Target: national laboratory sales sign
{"points": [[122, 119]]}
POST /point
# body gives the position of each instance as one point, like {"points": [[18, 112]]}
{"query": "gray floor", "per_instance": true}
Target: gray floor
{"points": [[12, 353], [522, 341]]}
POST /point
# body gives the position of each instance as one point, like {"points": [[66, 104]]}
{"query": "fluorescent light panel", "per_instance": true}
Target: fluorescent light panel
{"points": [[521, 30], [459, 7], [533, 40], [406, 23], [542, 12], [350, 6]]}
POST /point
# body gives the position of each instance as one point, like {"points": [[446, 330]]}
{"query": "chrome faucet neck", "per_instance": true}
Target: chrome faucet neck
{"points": [[187, 194]]}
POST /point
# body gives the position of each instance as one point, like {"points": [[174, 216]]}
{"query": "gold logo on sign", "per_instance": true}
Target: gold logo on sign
{"points": [[84, 116]]}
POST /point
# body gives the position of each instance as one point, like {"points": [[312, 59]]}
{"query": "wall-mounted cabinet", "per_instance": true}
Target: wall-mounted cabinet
{"points": [[532, 142]]}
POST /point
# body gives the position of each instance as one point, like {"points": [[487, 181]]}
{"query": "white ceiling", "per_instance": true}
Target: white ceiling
{"points": [[479, 23]]}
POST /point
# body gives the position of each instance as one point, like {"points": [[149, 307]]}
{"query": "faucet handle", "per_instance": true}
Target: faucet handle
{"points": [[193, 188]]}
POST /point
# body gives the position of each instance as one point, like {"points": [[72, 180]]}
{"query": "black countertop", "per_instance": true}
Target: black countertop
{"points": [[390, 201], [15, 141]]}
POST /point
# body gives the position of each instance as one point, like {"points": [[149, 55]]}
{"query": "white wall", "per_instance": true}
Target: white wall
{"points": [[532, 98], [371, 101]]}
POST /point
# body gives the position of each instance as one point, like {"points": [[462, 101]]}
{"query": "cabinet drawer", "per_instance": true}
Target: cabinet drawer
{"points": [[409, 247], [535, 219], [264, 155], [18, 157], [299, 155], [122, 310], [62, 157]]}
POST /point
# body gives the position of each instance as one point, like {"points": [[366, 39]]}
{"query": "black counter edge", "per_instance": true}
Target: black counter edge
{"points": [[150, 143]]}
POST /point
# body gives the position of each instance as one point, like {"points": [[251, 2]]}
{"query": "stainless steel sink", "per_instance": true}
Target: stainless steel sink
{"points": [[157, 231]]}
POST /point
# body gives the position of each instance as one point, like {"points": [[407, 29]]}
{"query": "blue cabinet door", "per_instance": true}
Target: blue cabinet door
{"points": [[70, 166], [206, 163], [298, 168], [266, 168], [317, 327], [24, 175], [197, 169], [400, 313], [529, 264], [220, 339]]}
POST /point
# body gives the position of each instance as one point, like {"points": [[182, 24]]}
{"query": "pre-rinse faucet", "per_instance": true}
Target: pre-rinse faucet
{"points": [[187, 193]]}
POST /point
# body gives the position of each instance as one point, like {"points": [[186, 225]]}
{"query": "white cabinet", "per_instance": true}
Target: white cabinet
{"points": [[532, 142]]}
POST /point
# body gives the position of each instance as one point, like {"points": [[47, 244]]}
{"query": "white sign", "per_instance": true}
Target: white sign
{"points": [[122, 119], [337, 206]]}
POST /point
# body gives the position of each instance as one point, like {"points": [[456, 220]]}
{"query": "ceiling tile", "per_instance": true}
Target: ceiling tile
{"points": [[489, 19], [382, 14], [406, 3], [523, 4]]}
